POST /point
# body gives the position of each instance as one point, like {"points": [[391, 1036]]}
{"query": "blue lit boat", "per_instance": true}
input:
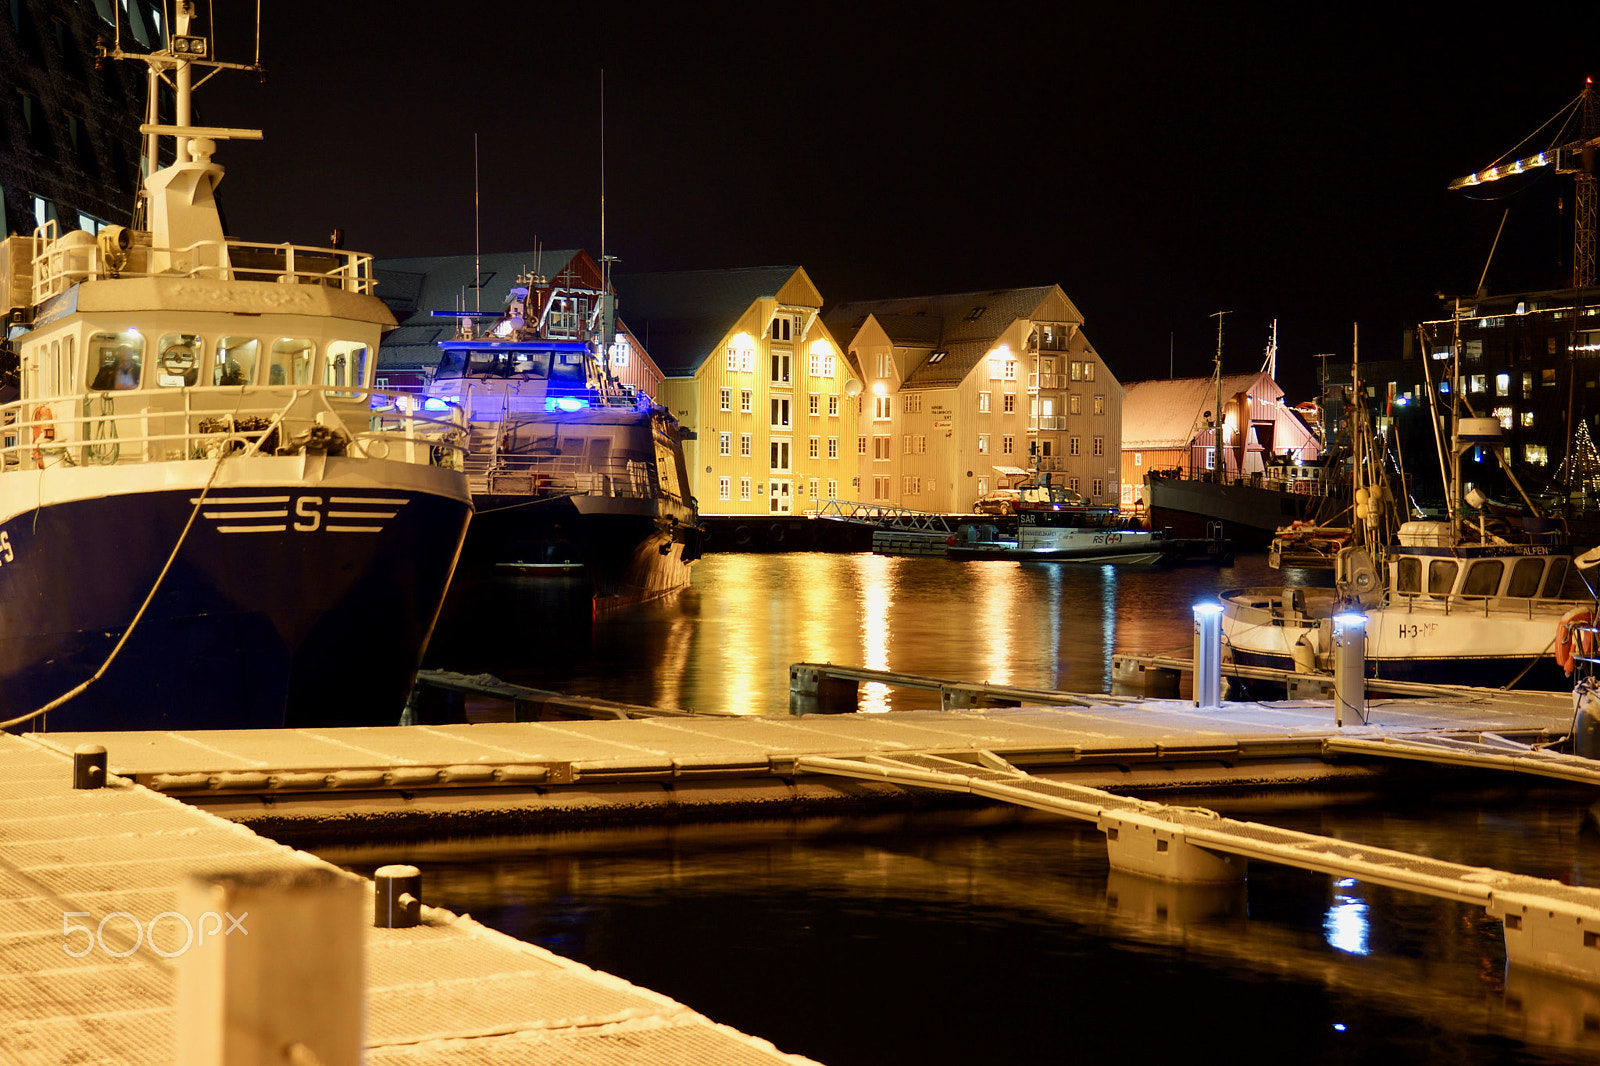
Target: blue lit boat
{"points": [[564, 462], [206, 512]]}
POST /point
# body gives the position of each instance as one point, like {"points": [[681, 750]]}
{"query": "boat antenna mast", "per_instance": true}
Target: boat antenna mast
{"points": [[1219, 459]]}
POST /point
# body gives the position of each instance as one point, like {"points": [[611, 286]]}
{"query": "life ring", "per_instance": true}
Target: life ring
{"points": [[44, 429], [1571, 641]]}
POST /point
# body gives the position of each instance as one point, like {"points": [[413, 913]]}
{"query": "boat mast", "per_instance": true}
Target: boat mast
{"points": [[1219, 460]]}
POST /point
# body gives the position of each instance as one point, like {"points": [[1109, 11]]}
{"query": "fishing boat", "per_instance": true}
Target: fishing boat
{"points": [[565, 463], [1055, 524], [1473, 600], [208, 518]]}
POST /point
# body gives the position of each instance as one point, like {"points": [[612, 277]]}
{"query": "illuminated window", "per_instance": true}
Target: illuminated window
{"points": [[1527, 384], [1099, 405], [1077, 371], [1547, 376], [1503, 414], [821, 365], [744, 445], [983, 444], [1074, 404], [1527, 418], [724, 443], [724, 488], [727, 399], [1088, 371], [1478, 383], [1211, 458], [1537, 454], [983, 401], [619, 352], [1441, 353], [1502, 384]]}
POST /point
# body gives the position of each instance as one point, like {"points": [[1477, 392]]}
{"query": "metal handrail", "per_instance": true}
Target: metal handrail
{"points": [[146, 426]]}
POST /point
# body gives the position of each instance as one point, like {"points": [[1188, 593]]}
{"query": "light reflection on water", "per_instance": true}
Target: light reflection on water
{"points": [[726, 642]]}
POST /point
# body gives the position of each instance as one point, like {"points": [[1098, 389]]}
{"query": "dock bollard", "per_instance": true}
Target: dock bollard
{"points": [[89, 766], [1208, 656], [397, 897], [1349, 668]]}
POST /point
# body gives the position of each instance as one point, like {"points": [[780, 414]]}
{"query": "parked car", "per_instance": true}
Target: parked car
{"points": [[1000, 502]]}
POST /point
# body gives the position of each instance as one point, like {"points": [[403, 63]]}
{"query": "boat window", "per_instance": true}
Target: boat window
{"points": [[1525, 577], [236, 361], [1408, 575], [290, 361], [1483, 577], [1555, 578], [451, 365], [179, 363], [116, 360], [1441, 576], [346, 365]]}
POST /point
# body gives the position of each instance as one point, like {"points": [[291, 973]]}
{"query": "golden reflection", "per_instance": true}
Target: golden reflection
{"points": [[877, 580], [745, 627], [997, 614]]}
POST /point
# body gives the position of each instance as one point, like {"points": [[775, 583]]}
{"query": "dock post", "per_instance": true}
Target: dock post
{"points": [[832, 695], [273, 971], [1208, 656], [1149, 847], [1349, 668], [396, 897], [89, 766]]}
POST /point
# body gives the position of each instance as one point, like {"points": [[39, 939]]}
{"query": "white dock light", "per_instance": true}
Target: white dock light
{"points": [[1349, 667], [1208, 656]]}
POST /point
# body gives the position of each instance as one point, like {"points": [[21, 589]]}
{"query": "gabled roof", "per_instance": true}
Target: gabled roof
{"points": [[1164, 413], [681, 316], [416, 287], [965, 325]]}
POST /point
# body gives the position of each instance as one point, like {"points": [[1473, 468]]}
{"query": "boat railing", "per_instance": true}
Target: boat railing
{"points": [[60, 263], [1460, 603], [203, 422], [616, 475]]}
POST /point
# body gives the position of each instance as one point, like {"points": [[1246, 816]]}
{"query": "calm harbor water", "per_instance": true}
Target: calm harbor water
{"points": [[996, 936]]}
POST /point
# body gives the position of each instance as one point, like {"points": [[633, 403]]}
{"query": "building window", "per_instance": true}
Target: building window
{"points": [[1088, 371], [1547, 376], [922, 444], [1010, 370], [833, 488], [733, 359], [833, 447], [780, 368], [1046, 449], [1099, 446], [1072, 445], [983, 401], [783, 328], [724, 488], [913, 403], [744, 488], [880, 447], [1072, 484], [744, 400], [983, 444], [815, 404], [1099, 487], [619, 352], [885, 364], [724, 443], [910, 485], [815, 448], [1074, 404], [780, 412], [1527, 419], [1009, 404], [1502, 384], [1478, 382], [779, 451], [1099, 405], [727, 399], [1007, 442], [1138, 458], [1537, 454], [1211, 458], [882, 408], [905, 444], [880, 488], [821, 365], [833, 406], [861, 445], [1503, 415], [744, 445], [1527, 384]]}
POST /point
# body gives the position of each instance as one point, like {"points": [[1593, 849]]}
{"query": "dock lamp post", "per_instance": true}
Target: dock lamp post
{"points": [[1208, 656], [1349, 668]]}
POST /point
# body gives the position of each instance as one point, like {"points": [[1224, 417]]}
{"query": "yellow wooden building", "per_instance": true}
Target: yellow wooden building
{"points": [[751, 369], [963, 392]]}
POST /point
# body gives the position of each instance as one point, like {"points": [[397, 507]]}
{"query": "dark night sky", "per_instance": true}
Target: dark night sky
{"points": [[1159, 161]]}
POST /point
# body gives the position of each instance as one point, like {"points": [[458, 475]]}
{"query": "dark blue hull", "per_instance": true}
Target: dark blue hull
{"points": [[316, 615]]}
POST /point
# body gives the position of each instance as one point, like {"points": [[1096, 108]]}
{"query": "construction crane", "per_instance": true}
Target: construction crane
{"points": [[1575, 156]]}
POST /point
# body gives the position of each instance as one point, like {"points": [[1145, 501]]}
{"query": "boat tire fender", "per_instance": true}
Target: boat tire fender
{"points": [[741, 536], [775, 534]]}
